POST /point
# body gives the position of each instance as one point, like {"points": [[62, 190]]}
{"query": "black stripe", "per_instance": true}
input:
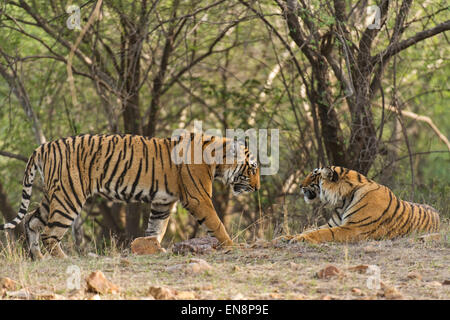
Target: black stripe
{"points": [[350, 214], [65, 215], [384, 212], [58, 224], [169, 157], [112, 175], [136, 180]]}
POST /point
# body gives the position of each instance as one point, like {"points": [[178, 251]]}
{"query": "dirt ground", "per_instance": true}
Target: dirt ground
{"points": [[404, 269]]}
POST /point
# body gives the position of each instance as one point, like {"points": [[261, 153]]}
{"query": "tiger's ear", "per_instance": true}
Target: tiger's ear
{"points": [[329, 174]]}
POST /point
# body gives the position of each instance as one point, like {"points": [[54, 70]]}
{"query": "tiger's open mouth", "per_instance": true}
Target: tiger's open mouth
{"points": [[309, 194]]}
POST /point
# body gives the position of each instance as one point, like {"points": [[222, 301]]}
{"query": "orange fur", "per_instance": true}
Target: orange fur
{"points": [[127, 168], [363, 209]]}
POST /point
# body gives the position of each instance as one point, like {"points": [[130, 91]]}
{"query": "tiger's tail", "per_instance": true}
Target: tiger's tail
{"points": [[28, 179]]}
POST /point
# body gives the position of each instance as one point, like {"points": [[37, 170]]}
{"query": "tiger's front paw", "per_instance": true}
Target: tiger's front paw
{"points": [[285, 238], [303, 238]]}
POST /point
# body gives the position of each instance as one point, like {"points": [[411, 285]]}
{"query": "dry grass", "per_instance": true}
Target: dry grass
{"points": [[271, 272]]}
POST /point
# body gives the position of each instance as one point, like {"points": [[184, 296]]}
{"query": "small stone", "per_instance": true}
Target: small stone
{"points": [[236, 268], [185, 295], [198, 265], [326, 297], [430, 237], [95, 297], [162, 293], [391, 293], [370, 249], [362, 268], [357, 291], [97, 283], [205, 287], [446, 282], [146, 245], [92, 255], [175, 268], [329, 272], [194, 266], [414, 275], [275, 295], [434, 284], [8, 284], [238, 296]]}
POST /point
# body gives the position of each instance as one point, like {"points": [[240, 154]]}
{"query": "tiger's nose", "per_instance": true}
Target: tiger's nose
{"points": [[309, 194]]}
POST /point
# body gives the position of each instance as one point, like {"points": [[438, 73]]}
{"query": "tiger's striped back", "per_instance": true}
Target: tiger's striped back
{"points": [[128, 168], [364, 209]]}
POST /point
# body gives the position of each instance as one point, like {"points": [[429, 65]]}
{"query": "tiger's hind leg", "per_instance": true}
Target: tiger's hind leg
{"points": [[59, 220], [158, 220], [34, 222]]}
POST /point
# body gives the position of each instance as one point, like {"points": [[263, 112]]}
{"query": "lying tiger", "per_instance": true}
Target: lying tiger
{"points": [[131, 168], [362, 209]]}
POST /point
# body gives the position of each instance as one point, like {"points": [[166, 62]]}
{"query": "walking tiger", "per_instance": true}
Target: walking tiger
{"points": [[130, 168]]}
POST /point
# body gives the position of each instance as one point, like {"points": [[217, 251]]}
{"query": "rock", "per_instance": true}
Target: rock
{"points": [[176, 267], [430, 237], [205, 287], [362, 268], [198, 265], [8, 284], [146, 245], [162, 293], [446, 282], [194, 266], [92, 255], [329, 272], [370, 249], [95, 297], [236, 268], [185, 295], [97, 283], [275, 295], [414, 275], [196, 246], [357, 291], [392, 293], [238, 296], [434, 284]]}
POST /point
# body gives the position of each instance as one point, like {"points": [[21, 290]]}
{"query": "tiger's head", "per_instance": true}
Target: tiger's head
{"points": [[242, 173], [337, 183], [310, 187]]}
